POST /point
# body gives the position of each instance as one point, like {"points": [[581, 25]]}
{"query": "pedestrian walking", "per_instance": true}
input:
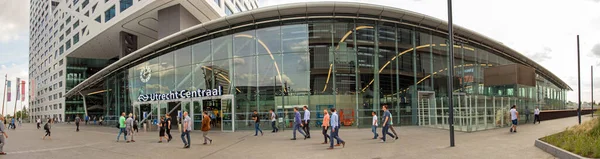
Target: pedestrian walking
{"points": [[386, 124], [527, 115], [206, 127], [135, 124], [536, 114], [392, 127], [47, 127], [68, 120], [101, 120], [187, 127], [129, 126], [335, 124], [87, 118], [273, 121], [20, 122], [514, 116], [12, 124], [168, 127], [4, 136], [77, 121], [122, 127], [39, 122], [256, 119], [162, 124], [306, 121], [374, 125], [297, 124], [325, 125]]}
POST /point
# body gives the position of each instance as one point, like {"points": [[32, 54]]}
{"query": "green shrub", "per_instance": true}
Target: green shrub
{"points": [[582, 139]]}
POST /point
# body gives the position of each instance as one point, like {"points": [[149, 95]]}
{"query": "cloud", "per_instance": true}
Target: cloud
{"points": [[14, 71], [596, 49], [14, 16], [542, 55]]}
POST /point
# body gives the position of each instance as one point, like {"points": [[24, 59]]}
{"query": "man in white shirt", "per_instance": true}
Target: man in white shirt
{"points": [[39, 121], [514, 116], [536, 112], [374, 127], [273, 121], [306, 121]]}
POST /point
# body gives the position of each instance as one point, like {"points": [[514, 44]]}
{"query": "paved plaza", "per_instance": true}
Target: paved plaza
{"points": [[415, 142]]}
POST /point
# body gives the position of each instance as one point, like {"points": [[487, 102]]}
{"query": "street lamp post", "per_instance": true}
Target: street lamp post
{"points": [[578, 82], [450, 74]]}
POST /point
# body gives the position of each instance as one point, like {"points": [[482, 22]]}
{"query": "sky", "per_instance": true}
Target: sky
{"points": [[14, 46], [543, 30]]}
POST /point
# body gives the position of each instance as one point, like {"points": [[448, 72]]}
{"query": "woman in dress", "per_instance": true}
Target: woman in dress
{"points": [[162, 125]]}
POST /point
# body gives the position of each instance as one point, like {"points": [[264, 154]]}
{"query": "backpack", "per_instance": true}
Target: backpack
{"points": [[46, 126]]}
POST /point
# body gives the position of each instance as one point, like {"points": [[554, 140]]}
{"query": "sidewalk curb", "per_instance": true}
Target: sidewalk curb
{"points": [[556, 151]]}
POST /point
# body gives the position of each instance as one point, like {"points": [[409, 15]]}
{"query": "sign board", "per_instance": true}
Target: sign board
{"points": [[183, 94]]}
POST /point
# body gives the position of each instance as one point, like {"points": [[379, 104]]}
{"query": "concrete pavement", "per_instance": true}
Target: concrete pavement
{"points": [[415, 142]]}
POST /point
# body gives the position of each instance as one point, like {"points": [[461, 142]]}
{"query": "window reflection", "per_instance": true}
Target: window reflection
{"points": [[354, 65]]}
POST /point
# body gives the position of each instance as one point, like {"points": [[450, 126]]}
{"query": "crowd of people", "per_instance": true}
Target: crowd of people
{"points": [[128, 126]]}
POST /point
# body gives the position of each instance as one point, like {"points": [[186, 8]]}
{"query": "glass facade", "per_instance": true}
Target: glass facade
{"points": [[354, 65]]}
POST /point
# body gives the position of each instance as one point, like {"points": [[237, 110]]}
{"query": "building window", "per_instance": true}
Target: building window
{"points": [[94, 7], [237, 6], [61, 50], [68, 44], [98, 19], [76, 24], [68, 20], [61, 38], [228, 11], [109, 14], [85, 3], [75, 38], [125, 4], [218, 2]]}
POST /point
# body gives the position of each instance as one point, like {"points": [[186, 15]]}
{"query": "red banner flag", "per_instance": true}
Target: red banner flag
{"points": [[22, 91]]}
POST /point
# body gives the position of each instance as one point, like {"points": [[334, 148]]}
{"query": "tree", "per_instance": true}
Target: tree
{"points": [[23, 113]]}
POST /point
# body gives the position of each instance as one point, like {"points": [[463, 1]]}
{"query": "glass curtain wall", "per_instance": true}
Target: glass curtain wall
{"points": [[354, 65]]}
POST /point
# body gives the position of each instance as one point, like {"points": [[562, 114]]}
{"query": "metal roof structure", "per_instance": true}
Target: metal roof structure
{"points": [[314, 10]]}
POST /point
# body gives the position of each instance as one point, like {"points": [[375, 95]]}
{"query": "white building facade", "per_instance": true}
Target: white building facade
{"points": [[70, 40]]}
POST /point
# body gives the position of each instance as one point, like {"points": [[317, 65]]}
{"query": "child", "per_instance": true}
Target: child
{"points": [[374, 127]]}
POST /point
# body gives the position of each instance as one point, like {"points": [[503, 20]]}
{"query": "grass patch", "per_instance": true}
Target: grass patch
{"points": [[581, 139]]}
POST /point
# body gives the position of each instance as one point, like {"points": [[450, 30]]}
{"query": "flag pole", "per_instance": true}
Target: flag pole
{"points": [[16, 99], [4, 94]]}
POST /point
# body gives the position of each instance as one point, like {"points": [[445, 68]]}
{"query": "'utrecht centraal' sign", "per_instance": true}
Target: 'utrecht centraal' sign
{"points": [[183, 94]]}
